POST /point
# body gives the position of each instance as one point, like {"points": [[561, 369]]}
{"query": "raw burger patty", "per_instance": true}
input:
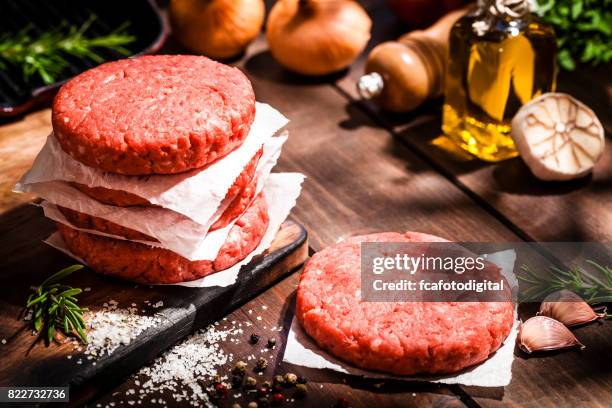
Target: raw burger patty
{"points": [[159, 114], [145, 264], [85, 221], [399, 338], [241, 194], [90, 222]]}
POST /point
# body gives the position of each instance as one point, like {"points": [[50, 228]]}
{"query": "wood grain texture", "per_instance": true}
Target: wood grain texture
{"points": [[370, 171], [184, 309], [324, 387], [359, 178], [566, 211], [574, 211], [20, 141]]}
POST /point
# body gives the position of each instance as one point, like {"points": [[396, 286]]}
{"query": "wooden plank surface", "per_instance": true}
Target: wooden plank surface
{"points": [[370, 171], [20, 141], [324, 387], [568, 211], [183, 309], [359, 180]]}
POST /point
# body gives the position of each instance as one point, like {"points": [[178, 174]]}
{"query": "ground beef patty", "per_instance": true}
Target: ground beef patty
{"points": [[145, 264], [400, 338], [85, 221], [160, 114], [90, 222], [242, 191]]}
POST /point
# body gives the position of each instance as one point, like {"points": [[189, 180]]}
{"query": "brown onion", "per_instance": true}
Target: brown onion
{"points": [[219, 29], [317, 37]]}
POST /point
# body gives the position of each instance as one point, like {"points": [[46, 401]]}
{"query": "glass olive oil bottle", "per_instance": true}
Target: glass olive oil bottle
{"points": [[501, 56]]}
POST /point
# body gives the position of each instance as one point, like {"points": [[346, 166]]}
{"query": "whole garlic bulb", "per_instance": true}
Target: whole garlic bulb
{"points": [[317, 37], [558, 137], [219, 29]]}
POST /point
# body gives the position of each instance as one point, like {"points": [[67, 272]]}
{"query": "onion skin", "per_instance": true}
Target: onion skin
{"points": [[317, 37], [541, 333], [568, 308], [219, 29]]}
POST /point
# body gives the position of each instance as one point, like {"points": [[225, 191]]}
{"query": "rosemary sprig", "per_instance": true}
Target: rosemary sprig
{"points": [[54, 308], [593, 289], [45, 54]]}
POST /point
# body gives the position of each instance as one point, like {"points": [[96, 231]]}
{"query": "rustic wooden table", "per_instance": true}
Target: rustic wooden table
{"points": [[370, 171]]}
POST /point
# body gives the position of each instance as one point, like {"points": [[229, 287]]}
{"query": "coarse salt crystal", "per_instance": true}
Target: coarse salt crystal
{"points": [[182, 366], [112, 327]]}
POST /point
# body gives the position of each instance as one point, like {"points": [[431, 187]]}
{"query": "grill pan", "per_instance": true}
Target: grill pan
{"points": [[146, 24]]}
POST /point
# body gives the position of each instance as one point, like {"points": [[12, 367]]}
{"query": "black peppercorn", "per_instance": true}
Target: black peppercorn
{"points": [[237, 380], [254, 338], [271, 343], [302, 380]]}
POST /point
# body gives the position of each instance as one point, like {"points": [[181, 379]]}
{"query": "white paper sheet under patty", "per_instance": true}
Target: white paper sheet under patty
{"points": [[173, 230], [281, 190], [496, 371], [196, 194]]}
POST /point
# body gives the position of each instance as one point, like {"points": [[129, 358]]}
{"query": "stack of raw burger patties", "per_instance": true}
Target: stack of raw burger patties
{"points": [[163, 120]]}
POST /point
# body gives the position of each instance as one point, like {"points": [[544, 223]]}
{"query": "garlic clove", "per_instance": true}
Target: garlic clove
{"points": [[558, 137], [541, 333], [568, 308]]}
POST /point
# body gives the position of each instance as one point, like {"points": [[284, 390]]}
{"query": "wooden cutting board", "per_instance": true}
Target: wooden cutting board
{"points": [[25, 261]]}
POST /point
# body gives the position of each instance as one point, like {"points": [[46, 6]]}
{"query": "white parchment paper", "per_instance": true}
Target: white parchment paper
{"points": [[494, 372], [196, 194], [173, 230], [281, 190]]}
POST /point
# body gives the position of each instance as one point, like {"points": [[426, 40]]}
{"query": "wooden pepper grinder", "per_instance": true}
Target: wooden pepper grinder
{"points": [[400, 75]]}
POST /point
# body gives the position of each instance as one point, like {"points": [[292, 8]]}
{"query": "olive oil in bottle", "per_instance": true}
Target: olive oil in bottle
{"points": [[500, 57]]}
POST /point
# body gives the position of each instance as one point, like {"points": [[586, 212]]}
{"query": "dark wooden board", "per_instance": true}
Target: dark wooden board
{"points": [[184, 309], [324, 387]]}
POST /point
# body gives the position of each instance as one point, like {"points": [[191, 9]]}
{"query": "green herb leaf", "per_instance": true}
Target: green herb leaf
{"points": [[46, 54], [58, 276], [54, 307], [592, 288], [583, 29]]}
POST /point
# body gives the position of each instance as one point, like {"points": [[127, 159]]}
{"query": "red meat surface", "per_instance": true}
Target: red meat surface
{"points": [[160, 114], [401, 338], [241, 194], [145, 264]]}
